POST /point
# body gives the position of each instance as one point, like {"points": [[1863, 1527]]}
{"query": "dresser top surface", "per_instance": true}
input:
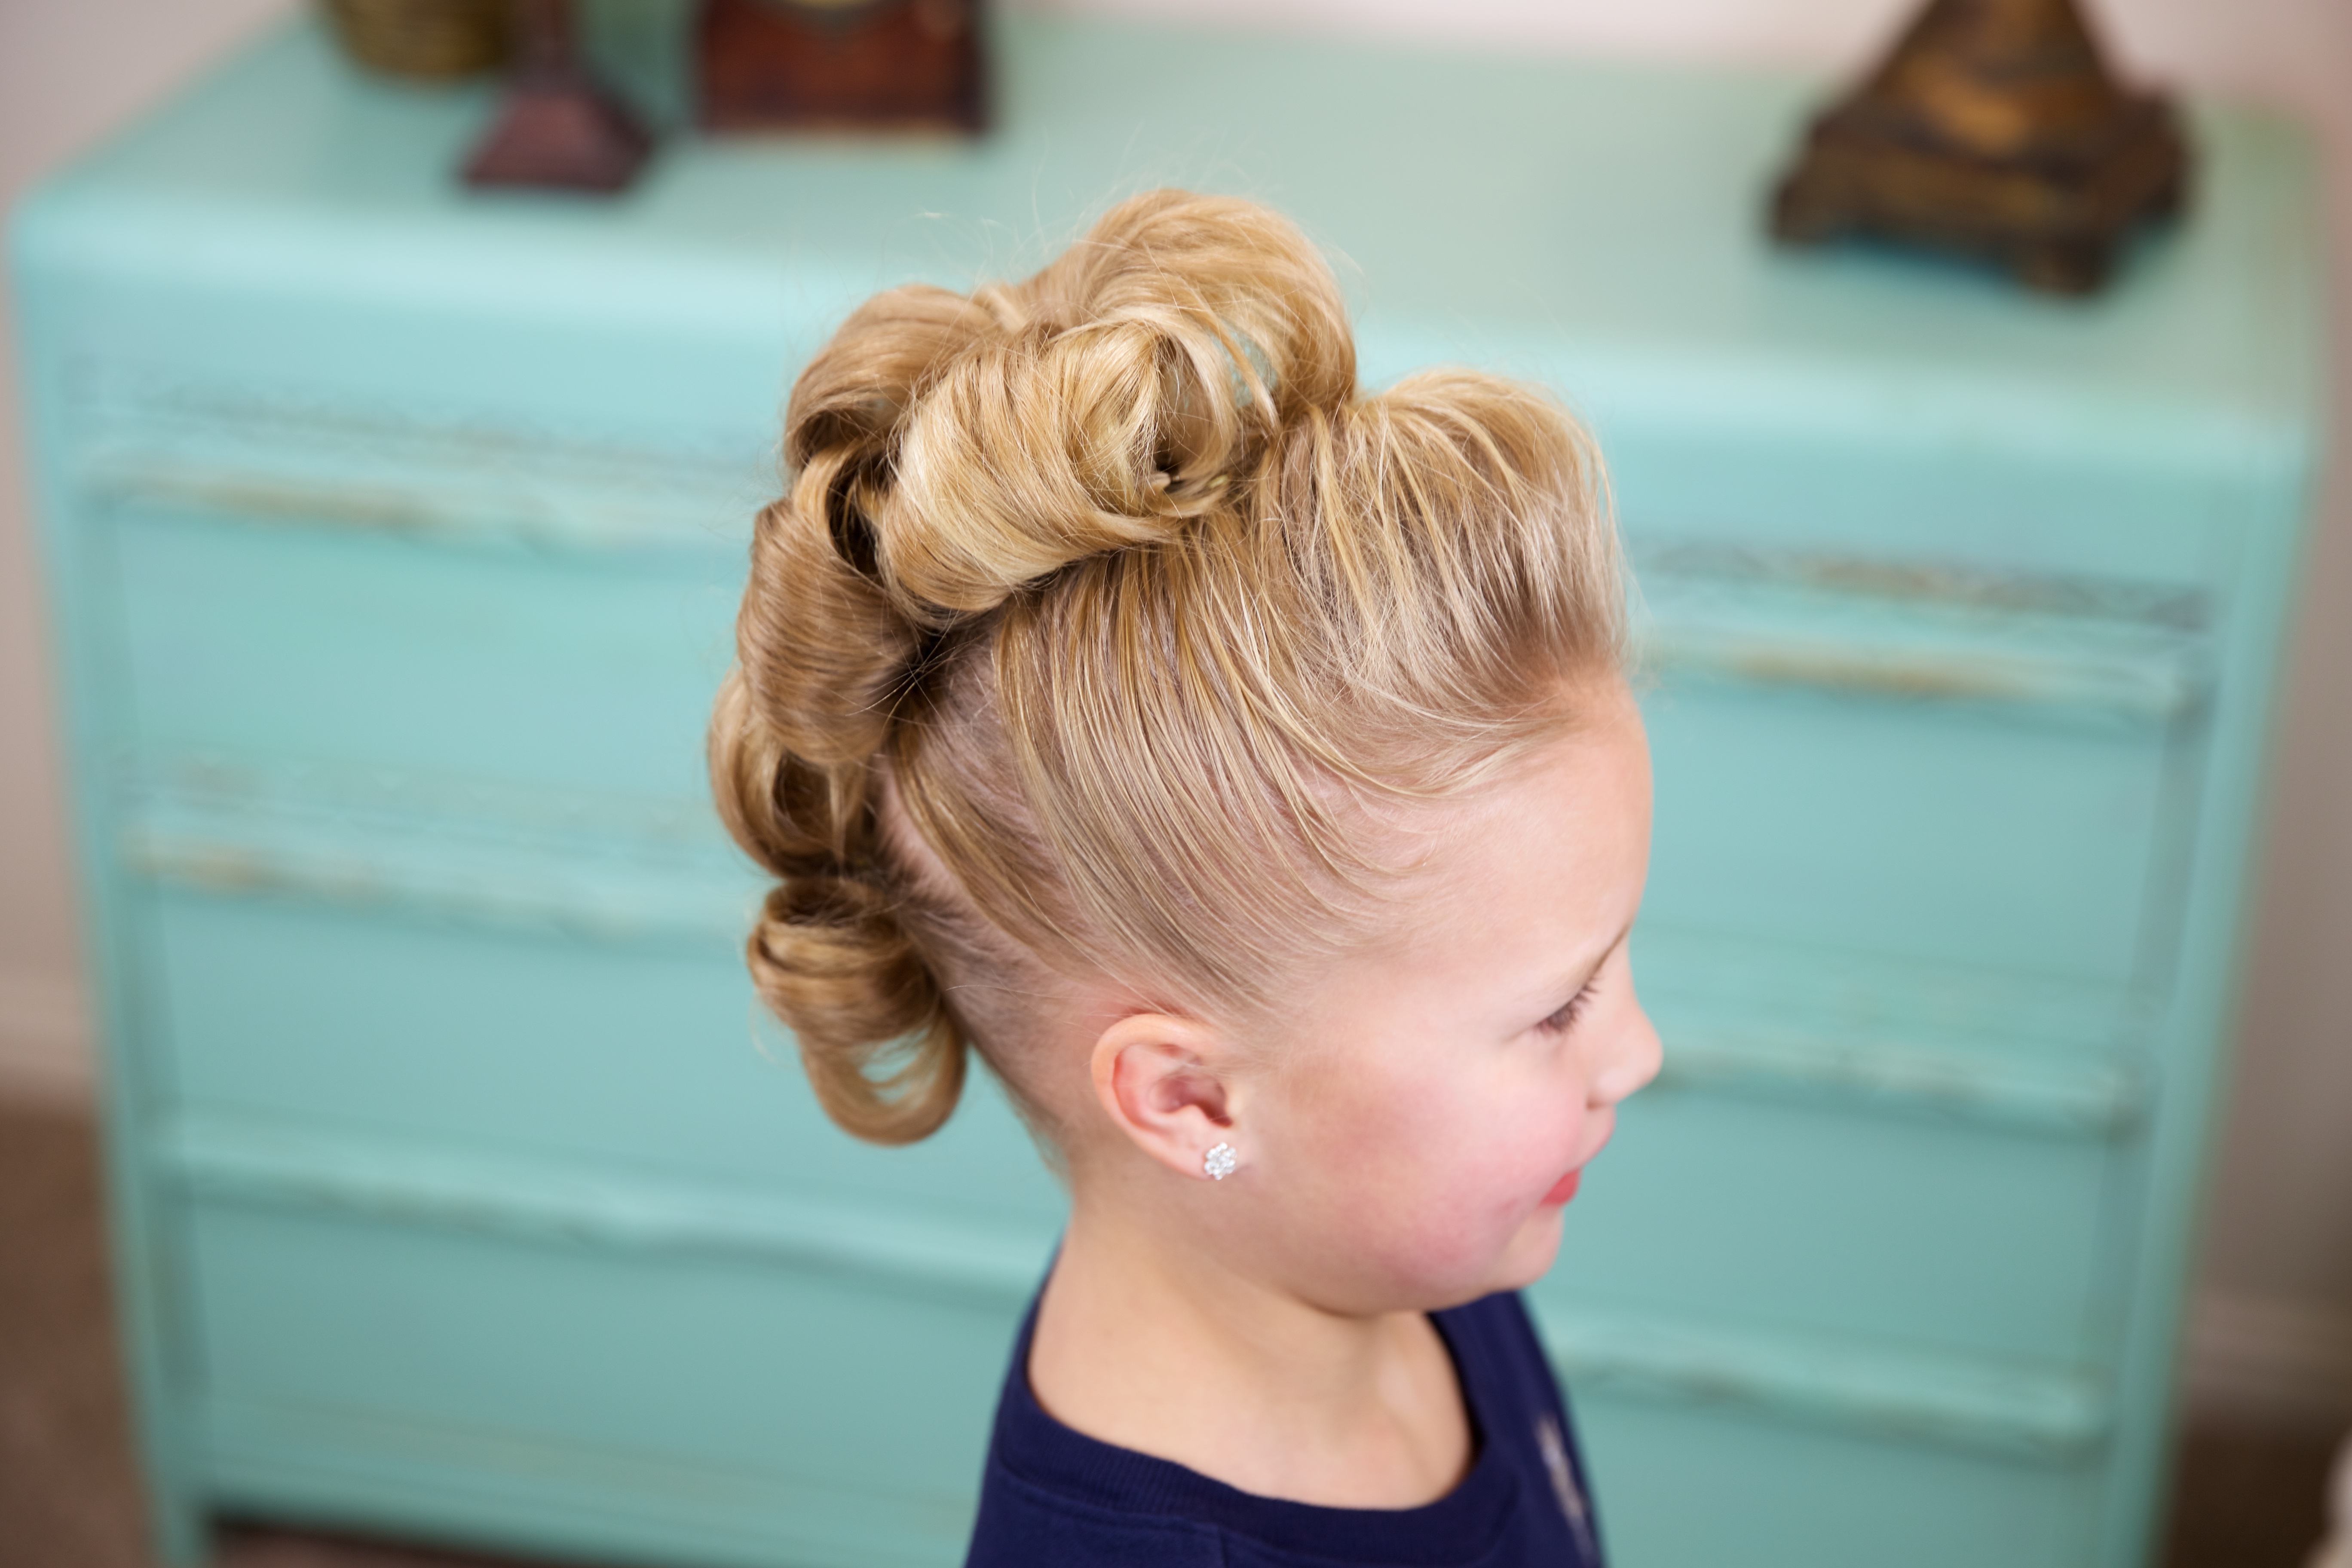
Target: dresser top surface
{"points": [[1597, 226]]}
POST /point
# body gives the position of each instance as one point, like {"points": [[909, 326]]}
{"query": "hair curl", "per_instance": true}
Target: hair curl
{"points": [[1096, 602]]}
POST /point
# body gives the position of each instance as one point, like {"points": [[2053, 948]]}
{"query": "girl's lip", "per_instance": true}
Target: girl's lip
{"points": [[1565, 1188]]}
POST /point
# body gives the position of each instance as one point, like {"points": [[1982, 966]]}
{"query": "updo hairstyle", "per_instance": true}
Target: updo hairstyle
{"points": [[1101, 613]]}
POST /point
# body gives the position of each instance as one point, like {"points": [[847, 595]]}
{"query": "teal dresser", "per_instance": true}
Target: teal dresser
{"points": [[394, 536]]}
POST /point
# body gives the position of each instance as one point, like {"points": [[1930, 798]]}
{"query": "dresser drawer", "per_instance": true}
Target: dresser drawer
{"points": [[661, 1404], [1772, 1493], [1711, 1206], [1890, 758], [479, 658], [651, 1054]]}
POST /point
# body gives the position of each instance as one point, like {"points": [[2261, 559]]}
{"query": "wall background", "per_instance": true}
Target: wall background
{"points": [[2273, 1333]]}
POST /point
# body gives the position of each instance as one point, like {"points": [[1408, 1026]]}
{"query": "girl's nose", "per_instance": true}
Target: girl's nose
{"points": [[1634, 1056]]}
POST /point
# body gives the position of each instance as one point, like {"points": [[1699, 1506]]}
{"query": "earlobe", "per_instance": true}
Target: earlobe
{"points": [[1167, 1083]]}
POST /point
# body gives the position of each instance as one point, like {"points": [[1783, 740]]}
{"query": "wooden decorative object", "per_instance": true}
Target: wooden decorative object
{"points": [[1993, 129], [861, 65], [558, 130], [433, 40]]}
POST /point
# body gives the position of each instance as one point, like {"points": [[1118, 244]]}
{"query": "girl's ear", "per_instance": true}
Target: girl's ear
{"points": [[1170, 1085]]}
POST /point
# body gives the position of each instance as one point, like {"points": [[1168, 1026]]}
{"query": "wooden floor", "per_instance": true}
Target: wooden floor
{"points": [[2244, 1497]]}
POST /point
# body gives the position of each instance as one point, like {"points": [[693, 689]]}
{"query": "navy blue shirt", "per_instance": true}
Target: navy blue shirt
{"points": [[1052, 1498]]}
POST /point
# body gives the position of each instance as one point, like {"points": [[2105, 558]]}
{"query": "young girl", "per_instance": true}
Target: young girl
{"points": [[1242, 766]]}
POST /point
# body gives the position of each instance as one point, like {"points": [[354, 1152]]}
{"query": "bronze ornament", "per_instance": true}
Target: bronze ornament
{"points": [[1993, 129]]}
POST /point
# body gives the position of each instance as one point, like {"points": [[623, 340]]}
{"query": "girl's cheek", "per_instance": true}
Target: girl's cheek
{"points": [[1439, 1173], [1497, 1181], [1440, 1177]]}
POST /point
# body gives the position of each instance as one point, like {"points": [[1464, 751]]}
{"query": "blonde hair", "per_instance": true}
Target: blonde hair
{"points": [[1100, 610]]}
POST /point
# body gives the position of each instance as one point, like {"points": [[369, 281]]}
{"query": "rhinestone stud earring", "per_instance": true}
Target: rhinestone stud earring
{"points": [[1220, 1162]]}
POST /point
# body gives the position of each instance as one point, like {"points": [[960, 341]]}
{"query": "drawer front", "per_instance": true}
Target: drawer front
{"points": [[681, 1408], [1691, 1483], [1882, 828], [645, 1055], [1720, 1210], [1895, 759], [481, 661]]}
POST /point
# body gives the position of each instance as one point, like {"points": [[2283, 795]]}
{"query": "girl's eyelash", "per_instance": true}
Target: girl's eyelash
{"points": [[1560, 1023]]}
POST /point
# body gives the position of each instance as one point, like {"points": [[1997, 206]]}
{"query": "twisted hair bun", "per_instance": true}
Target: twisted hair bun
{"points": [[987, 443], [1024, 660]]}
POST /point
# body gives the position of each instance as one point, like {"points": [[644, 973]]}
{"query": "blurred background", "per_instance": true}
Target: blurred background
{"points": [[2269, 1346]]}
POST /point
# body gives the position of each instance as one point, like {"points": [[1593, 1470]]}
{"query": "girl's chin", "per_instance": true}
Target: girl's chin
{"points": [[1439, 1278], [1529, 1255]]}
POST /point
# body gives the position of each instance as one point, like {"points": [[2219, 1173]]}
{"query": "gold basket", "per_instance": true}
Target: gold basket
{"points": [[428, 39]]}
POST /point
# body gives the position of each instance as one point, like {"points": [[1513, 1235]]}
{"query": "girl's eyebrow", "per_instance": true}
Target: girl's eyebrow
{"points": [[1583, 978]]}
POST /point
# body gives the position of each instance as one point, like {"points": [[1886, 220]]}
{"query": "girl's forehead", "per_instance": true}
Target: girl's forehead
{"points": [[1582, 793], [1547, 858]]}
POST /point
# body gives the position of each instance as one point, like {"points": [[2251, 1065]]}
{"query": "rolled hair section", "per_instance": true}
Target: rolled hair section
{"points": [[1160, 356], [828, 954], [831, 958]]}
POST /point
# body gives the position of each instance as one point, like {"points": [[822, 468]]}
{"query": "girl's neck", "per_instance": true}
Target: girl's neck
{"points": [[1159, 1349]]}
